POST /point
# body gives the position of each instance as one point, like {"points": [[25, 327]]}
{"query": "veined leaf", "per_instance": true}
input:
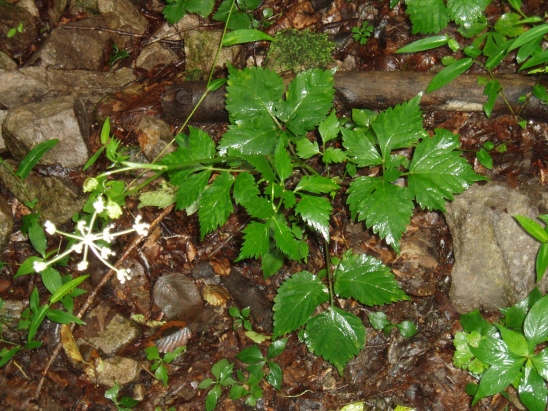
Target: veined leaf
{"points": [[295, 302], [437, 171], [34, 156], [360, 148], [215, 204], [62, 317], [540, 58], [306, 148], [449, 73], [540, 361], [532, 390], [51, 279], [334, 155], [494, 351], [309, 98], [191, 188], [315, 211], [529, 35], [316, 185], [329, 127], [336, 336], [200, 144], [258, 136], [399, 127], [424, 44], [510, 25], [542, 261], [256, 241], [262, 165], [284, 237], [367, 280], [245, 188], [516, 342], [466, 12], [427, 16], [253, 93], [497, 378], [535, 326], [67, 288], [245, 36], [282, 162], [385, 207]]}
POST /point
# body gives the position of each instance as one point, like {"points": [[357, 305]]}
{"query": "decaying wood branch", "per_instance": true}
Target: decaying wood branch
{"points": [[374, 90]]}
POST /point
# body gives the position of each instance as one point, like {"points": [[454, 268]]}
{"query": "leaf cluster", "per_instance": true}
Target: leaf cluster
{"points": [[507, 353], [379, 321], [159, 363], [361, 34], [122, 404], [334, 334]]}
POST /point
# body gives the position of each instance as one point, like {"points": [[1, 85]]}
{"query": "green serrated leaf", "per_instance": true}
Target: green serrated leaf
{"points": [[336, 336], [466, 12], [245, 187], [367, 280], [399, 127], [360, 149], [329, 127], [262, 165], [334, 155], [309, 98], [271, 262], [285, 238], [496, 379], [532, 390], [215, 203], [509, 25], [191, 189], [282, 162], [316, 212], [161, 198], [306, 148], [535, 326], [316, 184], [427, 16], [250, 137], [385, 207], [437, 171], [295, 302], [34, 156], [449, 73]]}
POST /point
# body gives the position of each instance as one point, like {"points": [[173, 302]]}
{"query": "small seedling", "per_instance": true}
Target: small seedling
{"points": [[222, 371], [122, 404], [117, 54], [360, 34], [12, 32], [379, 321], [485, 158], [159, 363], [241, 318]]}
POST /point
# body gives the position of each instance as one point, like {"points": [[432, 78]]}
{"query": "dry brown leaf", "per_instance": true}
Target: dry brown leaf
{"points": [[178, 297], [221, 267], [69, 345], [215, 294]]}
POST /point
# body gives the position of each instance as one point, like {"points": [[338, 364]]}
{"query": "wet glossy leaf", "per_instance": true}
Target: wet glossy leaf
{"points": [[112, 393], [274, 377], [540, 58], [329, 127], [542, 261], [449, 73], [427, 16], [62, 317], [533, 228], [510, 25], [438, 171], [317, 184], [295, 302], [515, 341], [282, 162], [540, 362], [336, 336], [256, 241], [360, 149], [285, 238], [276, 348], [51, 279], [532, 390], [485, 158], [530, 35], [535, 326], [245, 36], [251, 355], [306, 148], [378, 320], [213, 397], [426, 43], [407, 328], [315, 212], [515, 315], [466, 12], [215, 203], [494, 351], [367, 280], [34, 156], [222, 369], [257, 136], [178, 297], [497, 378]]}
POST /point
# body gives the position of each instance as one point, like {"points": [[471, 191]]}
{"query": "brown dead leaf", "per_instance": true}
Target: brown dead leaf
{"points": [[69, 345], [215, 294], [221, 267], [190, 251]]}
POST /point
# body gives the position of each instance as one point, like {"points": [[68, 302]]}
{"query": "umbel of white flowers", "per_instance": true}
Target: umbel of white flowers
{"points": [[86, 240]]}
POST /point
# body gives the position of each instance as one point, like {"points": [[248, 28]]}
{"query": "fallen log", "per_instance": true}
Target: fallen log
{"points": [[373, 90]]}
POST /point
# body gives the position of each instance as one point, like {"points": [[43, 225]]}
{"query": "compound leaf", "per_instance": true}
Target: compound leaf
{"points": [[282, 162], [385, 207], [329, 127], [437, 171], [360, 149], [315, 211], [399, 127], [317, 185], [336, 336], [466, 12], [309, 98], [306, 148], [191, 189], [258, 136], [285, 238], [427, 16], [215, 203], [367, 280], [256, 241], [295, 302]]}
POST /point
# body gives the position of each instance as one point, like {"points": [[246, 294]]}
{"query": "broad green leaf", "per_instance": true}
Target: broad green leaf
{"points": [[542, 261], [533, 228], [239, 20], [360, 148], [532, 390], [67, 288], [251, 355], [466, 12], [253, 93], [449, 73], [516, 4], [528, 49], [497, 378], [491, 91], [427, 16], [215, 203], [535, 326], [316, 184], [385, 207], [510, 25], [515, 341], [34, 156], [62, 317], [334, 155], [306, 148], [407, 328], [112, 394], [51, 279], [276, 348], [38, 317], [540, 58], [515, 315], [530, 35], [274, 377], [473, 321], [191, 189], [222, 369], [245, 188], [498, 55], [174, 12], [399, 127], [201, 7], [213, 397], [309, 98], [424, 44], [282, 162], [315, 211], [200, 144], [540, 362], [336, 336], [494, 351], [378, 320], [541, 93], [284, 237], [37, 236], [252, 137], [329, 127], [152, 353], [262, 165], [485, 158], [295, 302], [363, 117], [170, 356], [271, 262], [438, 171], [367, 280], [206, 383], [245, 36]]}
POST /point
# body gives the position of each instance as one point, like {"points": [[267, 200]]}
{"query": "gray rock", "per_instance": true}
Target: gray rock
{"points": [[22, 86], [6, 223], [155, 54], [3, 114], [6, 62], [113, 370], [117, 334], [154, 136], [73, 49], [64, 118], [56, 11], [88, 7], [201, 47], [58, 199], [494, 257], [124, 16]]}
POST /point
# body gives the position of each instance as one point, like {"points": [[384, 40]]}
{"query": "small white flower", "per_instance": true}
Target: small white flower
{"points": [[113, 210], [90, 184], [106, 252], [39, 266], [77, 247], [81, 226], [106, 234], [123, 275], [140, 228], [99, 204], [50, 227], [82, 265]]}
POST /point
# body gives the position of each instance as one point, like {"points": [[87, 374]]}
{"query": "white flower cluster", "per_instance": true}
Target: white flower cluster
{"points": [[87, 240]]}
